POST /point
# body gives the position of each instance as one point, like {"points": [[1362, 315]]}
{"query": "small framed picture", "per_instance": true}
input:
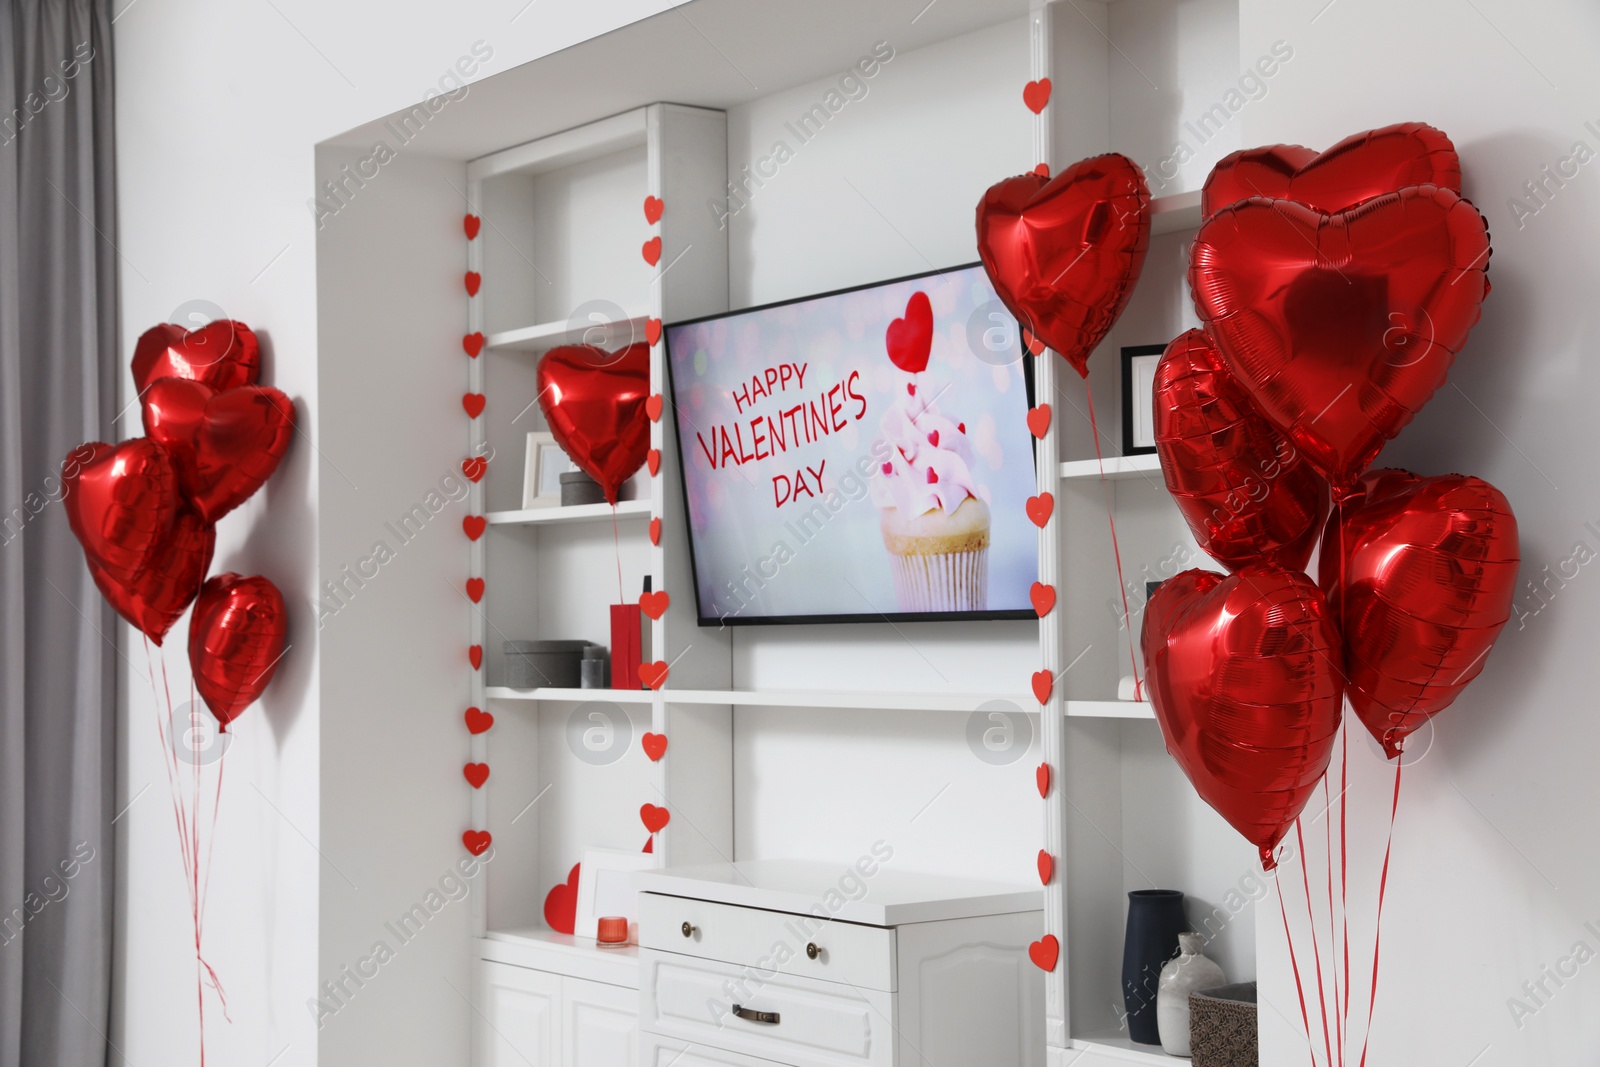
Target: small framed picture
{"points": [[542, 469], [1138, 393], [606, 887]]}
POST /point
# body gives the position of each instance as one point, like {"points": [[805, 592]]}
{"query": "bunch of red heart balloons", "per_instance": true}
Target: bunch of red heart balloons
{"points": [[145, 510]]}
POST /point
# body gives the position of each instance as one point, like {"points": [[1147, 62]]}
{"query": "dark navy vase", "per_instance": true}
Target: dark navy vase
{"points": [[1155, 919]]}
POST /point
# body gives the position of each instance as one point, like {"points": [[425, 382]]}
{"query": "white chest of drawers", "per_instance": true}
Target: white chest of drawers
{"points": [[797, 964]]}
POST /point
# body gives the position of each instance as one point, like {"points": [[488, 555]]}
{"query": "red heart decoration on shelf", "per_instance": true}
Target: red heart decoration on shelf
{"points": [[1036, 95], [475, 589], [1245, 492], [224, 445], [1043, 597], [655, 746], [473, 280], [476, 774], [652, 251], [909, 339], [1043, 683], [478, 842], [478, 721], [1064, 253], [474, 525], [223, 354], [1047, 867], [470, 223], [653, 206], [652, 459], [1039, 420], [655, 531], [1358, 168], [1426, 582], [594, 402], [1045, 952], [652, 330], [475, 654], [1042, 170], [561, 904], [653, 674], [652, 407], [473, 403], [1246, 676], [654, 818], [473, 468], [472, 344], [1040, 508], [1041, 778], [1341, 327], [654, 604]]}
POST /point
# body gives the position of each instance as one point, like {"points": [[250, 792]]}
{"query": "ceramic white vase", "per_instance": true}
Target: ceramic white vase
{"points": [[1188, 972]]}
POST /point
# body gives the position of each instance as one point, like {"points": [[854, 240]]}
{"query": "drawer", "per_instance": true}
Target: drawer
{"points": [[808, 1023], [667, 1052], [769, 942]]}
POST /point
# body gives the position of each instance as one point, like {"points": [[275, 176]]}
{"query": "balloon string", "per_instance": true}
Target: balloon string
{"points": [[1299, 986], [1116, 550], [1316, 946], [168, 759], [616, 541], [1333, 934], [1344, 877], [1383, 888]]}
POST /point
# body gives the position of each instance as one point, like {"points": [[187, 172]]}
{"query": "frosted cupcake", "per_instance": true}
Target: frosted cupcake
{"points": [[935, 518]]}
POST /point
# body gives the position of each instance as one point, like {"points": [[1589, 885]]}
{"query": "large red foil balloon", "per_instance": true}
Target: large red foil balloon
{"points": [[1064, 252], [1246, 493], [153, 598], [1421, 572], [594, 401], [1341, 327], [236, 640], [1244, 674], [223, 354], [225, 445], [1356, 169]]}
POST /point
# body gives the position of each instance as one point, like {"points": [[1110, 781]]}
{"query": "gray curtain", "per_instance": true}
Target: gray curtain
{"points": [[58, 659]]}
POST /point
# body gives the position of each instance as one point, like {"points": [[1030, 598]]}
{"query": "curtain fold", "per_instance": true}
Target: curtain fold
{"points": [[58, 657]]}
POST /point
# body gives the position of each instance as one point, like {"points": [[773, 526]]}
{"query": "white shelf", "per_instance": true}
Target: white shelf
{"points": [[1116, 468], [556, 516], [578, 957], [860, 699], [546, 335], [1110, 709], [550, 693], [1172, 214], [1119, 1048]]}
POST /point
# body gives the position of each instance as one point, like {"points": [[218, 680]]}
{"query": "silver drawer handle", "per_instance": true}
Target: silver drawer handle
{"points": [[750, 1015]]}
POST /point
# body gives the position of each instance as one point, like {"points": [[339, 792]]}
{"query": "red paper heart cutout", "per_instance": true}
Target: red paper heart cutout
{"points": [[1047, 867], [473, 468], [1040, 508], [1245, 492], [1042, 170], [1045, 952], [1039, 420], [237, 635], [1041, 778], [1036, 95], [475, 654], [1043, 683], [653, 206], [473, 404], [654, 604], [652, 331], [1358, 168], [1341, 327], [473, 280], [561, 904], [474, 525], [652, 459], [910, 339], [470, 224], [478, 721], [223, 354], [1425, 584], [654, 818], [478, 842], [594, 403], [475, 589], [224, 445], [1245, 673], [476, 774], [1064, 253], [1032, 343], [653, 674], [655, 746], [1044, 598], [655, 531], [472, 344], [652, 251], [652, 407]]}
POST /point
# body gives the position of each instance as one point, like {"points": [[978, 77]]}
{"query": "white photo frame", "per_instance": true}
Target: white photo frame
{"points": [[542, 466], [606, 886]]}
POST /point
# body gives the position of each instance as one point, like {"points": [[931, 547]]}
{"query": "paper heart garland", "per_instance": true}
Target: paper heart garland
{"points": [[470, 224], [1064, 253], [472, 344], [1047, 867], [1040, 508], [1043, 683], [478, 721], [472, 279], [1041, 778], [655, 819], [653, 207], [652, 331], [655, 531], [652, 459], [1045, 952], [224, 445], [561, 904], [474, 468], [652, 407], [594, 403], [476, 774], [1358, 168], [1043, 597], [909, 339], [1036, 95], [473, 526], [1421, 572], [475, 656], [653, 674], [652, 251], [236, 641], [1245, 675], [654, 604], [655, 746], [223, 354], [478, 842], [475, 589], [1245, 492], [1341, 327], [1039, 420], [473, 404]]}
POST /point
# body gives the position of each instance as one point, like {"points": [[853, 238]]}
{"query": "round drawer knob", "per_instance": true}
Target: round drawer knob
{"points": [[689, 929], [813, 950]]}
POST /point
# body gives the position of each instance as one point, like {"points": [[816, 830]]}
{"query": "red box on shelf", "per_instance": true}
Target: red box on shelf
{"points": [[625, 646]]}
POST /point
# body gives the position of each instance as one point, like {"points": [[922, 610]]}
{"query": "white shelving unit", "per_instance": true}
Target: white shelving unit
{"points": [[571, 513]]}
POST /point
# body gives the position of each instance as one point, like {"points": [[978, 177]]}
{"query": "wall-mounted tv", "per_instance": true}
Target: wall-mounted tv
{"points": [[858, 456]]}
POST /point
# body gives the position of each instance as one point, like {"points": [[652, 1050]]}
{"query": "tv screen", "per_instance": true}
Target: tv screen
{"points": [[861, 455]]}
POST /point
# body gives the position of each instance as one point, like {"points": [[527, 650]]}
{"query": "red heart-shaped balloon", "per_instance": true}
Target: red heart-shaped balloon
{"points": [[154, 598], [1245, 492], [475, 774], [478, 721], [1244, 672], [1422, 573], [236, 640], [477, 842], [1358, 168], [910, 339], [561, 904], [225, 445], [1045, 952], [1341, 327], [223, 354], [655, 746], [121, 501], [1064, 253], [594, 402], [655, 819]]}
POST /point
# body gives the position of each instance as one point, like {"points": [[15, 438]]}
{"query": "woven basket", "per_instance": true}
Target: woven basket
{"points": [[1222, 1027]]}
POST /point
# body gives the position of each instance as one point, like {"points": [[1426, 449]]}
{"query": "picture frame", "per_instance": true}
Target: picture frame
{"points": [[543, 464], [606, 886], [1138, 393]]}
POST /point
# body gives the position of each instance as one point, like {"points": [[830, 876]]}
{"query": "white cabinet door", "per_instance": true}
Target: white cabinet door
{"points": [[517, 1023], [670, 1052], [599, 1024]]}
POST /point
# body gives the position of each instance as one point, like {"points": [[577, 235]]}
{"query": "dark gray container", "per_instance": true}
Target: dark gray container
{"points": [[532, 664], [578, 488]]}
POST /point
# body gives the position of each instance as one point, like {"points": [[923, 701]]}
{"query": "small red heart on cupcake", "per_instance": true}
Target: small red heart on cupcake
{"points": [[655, 746], [478, 721], [654, 818], [654, 604], [933, 438], [474, 525], [476, 774], [652, 251]]}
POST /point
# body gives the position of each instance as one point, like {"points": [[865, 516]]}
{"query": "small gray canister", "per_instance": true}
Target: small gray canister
{"points": [[578, 488], [534, 664]]}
